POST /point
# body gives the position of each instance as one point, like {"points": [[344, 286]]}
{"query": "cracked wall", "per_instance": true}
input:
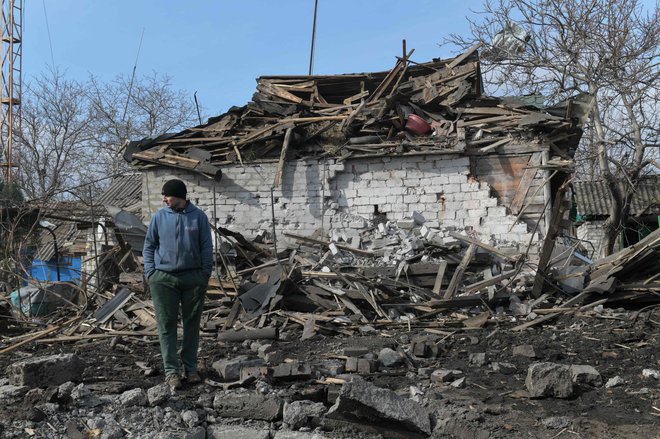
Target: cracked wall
{"points": [[354, 194]]}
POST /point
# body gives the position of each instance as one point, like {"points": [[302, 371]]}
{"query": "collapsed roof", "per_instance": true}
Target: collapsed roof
{"points": [[354, 115]]}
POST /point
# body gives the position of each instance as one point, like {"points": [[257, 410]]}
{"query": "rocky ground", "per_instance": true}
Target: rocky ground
{"points": [[443, 381]]}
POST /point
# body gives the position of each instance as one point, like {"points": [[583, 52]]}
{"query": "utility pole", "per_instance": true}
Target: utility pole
{"points": [[12, 50]]}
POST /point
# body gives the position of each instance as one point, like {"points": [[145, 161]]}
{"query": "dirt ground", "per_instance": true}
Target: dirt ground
{"points": [[493, 403]]}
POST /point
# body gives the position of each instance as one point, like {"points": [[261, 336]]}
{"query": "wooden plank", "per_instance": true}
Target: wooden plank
{"points": [[324, 243], [464, 56], [442, 266], [492, 146], [558, 209], [484, 246], [575, 300], [458, 274], [525, 183], [488, 282], [280, 166]]}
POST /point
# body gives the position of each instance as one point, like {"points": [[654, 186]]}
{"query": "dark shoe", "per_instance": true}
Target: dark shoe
{"points": [[173, 381], [193, 378]]}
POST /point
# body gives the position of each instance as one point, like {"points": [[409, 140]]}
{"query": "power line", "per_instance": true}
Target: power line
{"points": [[50, 41], [130, 85]]}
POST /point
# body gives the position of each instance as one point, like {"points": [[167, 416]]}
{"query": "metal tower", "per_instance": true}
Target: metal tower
{"points": [[12, 48]]}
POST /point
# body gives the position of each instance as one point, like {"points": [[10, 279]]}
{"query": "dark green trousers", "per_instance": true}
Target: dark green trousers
{"points": [[172, 292]]}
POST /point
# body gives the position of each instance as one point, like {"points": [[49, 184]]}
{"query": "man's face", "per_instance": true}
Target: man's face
{"points": [[174, 202]]}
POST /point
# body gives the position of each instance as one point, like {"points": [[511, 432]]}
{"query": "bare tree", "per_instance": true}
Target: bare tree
{"points": [[53, 153], [127, 110], [605, 48], [73, 132]]}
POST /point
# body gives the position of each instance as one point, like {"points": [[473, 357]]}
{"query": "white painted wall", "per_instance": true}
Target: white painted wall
{"points": [[344, 195]]}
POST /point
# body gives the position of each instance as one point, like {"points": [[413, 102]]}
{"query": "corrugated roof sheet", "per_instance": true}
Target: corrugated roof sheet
{"points": [[593, 197], [125, 192]]}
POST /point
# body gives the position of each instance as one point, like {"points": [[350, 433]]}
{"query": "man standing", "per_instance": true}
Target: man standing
{"points": [[178, 260]]}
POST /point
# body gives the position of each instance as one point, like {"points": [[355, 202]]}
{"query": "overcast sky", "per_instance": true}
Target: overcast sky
{"points": [[218, 48]]}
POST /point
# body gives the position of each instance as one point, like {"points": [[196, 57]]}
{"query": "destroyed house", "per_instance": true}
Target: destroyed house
{"points": [[418, 143]]}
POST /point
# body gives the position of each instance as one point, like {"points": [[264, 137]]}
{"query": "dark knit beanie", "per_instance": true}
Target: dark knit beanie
{"points": [[175, 188]]}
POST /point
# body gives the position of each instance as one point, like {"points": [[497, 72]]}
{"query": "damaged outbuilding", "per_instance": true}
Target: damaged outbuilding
{"points": [[312, 154]]}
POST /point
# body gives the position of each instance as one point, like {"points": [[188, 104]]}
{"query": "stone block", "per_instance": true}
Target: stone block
{"points": [[549, 379], [216, 431], [157, 395], [526, 350], [389, 357], [296, 414], [230, 368], [248, 405], [253, 371], [582, 374], [424, 349], [440, 376], [478, 358], [503, 368], [406, 223], [283, 434], [495, 212], [11, 394], [46, 371], [293, 370], [363, 400], [133, 397], [328, 367]]}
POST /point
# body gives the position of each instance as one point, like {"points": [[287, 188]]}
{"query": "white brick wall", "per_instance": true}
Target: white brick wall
{"points": [[436, 186]]}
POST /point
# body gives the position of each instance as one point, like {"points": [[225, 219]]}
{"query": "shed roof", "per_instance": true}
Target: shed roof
{"points": [[593, 197]]}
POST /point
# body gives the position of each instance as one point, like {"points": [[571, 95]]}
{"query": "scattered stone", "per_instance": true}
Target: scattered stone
{"points": [[459, 383], [83, 397], [478, 359], [10, 394], [364, 400], [556, 422], [230, 369], [549, 379], [64, 391], [297, 413], [233, 432], [367, 329], [526, 350], [504, 368], [586, 375], [445, 375], [389, 357], [248, 405], [190, 418], [424, 348], [298, 435], [614, 382], [157, 395], [363, 366], [405, 223], [418, 218], [328, 367], [293, 370], [355, 351], [133, 397], [425, 372], [651, 373], [44, 371]]}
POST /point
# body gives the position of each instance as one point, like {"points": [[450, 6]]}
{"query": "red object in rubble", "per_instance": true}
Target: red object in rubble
{"points": [[417, 125]]}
